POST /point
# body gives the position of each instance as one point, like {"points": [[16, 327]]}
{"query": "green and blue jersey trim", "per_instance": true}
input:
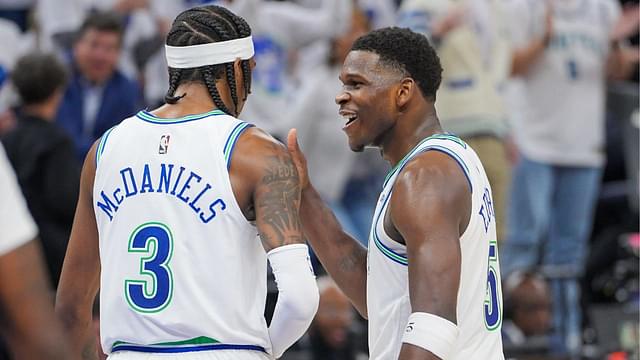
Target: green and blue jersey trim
{"points": [[201, 343], [386, 251], [416, 150], [229, 145], [455, 157], [102, 144], [149, 117]]}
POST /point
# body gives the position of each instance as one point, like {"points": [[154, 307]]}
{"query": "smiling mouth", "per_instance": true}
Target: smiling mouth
{"points": [[349, 118]]}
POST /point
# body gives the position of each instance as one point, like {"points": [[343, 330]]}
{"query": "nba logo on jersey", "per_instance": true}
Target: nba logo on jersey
{"points": [[164, 144]]}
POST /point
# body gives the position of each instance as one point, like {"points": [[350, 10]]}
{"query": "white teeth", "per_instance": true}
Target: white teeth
{"points": [[349, 118]]}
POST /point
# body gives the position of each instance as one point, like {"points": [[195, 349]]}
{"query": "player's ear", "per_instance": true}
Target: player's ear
{"points": [[237, 72], [241, 82], [406, 90]]}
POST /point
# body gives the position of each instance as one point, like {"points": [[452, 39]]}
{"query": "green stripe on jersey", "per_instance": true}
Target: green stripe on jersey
{"points": [[102, 144], [232, 140], [200, 340]]}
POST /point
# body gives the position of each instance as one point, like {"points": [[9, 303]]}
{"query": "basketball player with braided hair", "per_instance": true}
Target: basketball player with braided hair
{"points": [[170, 204]]}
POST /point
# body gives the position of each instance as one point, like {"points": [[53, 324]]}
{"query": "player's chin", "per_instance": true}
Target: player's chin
{"points": [[356, 147]]}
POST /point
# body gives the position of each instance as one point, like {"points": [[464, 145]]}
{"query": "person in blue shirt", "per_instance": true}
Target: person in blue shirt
{"points": [[98, 95]]}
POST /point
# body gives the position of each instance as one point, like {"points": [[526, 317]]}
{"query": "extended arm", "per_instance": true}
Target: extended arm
{"points": [[526, 56], [342, 256], [273, 177], [80, 277], [430, 208]]}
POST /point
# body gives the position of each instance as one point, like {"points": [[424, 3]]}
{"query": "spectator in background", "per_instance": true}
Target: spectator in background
{"points": [[17, 11], [31, 329], [564, 51], [335, 332], [98, 95], [279, 27], [332, 333], [527, 303], [381, 13], [43, 155], [470, 38], [10, 36], [319, 125]]}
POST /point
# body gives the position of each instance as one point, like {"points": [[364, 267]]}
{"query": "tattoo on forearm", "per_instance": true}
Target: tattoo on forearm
{"points": [[279, 203], [353, 260]]}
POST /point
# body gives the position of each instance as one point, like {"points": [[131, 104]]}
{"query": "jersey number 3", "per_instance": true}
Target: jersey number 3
{"points": [[152, 290], [492, 307]]}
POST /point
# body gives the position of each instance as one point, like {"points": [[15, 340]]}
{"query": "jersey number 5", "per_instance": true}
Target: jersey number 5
{"points": [[152, 290], [492, 303]]}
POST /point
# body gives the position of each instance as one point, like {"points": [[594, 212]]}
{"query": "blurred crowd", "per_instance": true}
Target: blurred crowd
{"points": [[545, 91]]}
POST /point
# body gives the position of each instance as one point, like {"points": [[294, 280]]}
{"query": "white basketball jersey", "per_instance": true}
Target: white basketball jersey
{"points": [[479, 307], [182, 269]]}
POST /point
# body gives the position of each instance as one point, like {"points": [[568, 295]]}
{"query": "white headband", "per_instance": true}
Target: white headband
{"points": [[184, 57]]}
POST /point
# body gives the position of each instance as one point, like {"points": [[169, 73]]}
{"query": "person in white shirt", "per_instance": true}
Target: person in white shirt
{"points": [[564, 52]]}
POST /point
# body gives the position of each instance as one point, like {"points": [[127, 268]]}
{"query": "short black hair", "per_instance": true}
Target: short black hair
{"points": [[37, 76], [203, 25], [407, 51], [105, 21]]}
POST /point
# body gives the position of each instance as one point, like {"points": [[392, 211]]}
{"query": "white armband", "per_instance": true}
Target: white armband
{"points": [[430, 332], [297, 295]]}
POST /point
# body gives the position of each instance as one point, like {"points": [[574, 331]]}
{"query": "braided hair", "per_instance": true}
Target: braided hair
{"points": [[203, 25]]}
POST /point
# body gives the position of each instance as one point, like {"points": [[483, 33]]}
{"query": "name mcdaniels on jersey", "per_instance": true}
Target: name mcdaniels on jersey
{"points": [[185, 185]]}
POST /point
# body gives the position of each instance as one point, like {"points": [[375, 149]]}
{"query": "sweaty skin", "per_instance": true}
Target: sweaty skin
{"points": [[430, 206]]}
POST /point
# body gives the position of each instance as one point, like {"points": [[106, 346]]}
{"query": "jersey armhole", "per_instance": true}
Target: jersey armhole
{"points": [[231, 141], [102, 144]]}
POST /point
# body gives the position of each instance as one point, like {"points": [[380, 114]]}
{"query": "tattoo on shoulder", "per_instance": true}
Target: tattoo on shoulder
{"points": [[279, 203]]}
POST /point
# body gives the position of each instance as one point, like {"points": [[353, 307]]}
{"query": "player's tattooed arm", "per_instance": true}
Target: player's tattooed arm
{"points": [[277, 200], [266, 186]]}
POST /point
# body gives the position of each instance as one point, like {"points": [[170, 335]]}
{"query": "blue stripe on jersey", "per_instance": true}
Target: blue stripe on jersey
{"points": [[390, 253], [455, 156], [149, 117], [230, 144], [409, 155], [386, 251], [184, 349], [102, 144]]}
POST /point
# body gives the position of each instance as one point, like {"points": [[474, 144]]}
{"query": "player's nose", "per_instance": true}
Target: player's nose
{"points": [[342, 97]]}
